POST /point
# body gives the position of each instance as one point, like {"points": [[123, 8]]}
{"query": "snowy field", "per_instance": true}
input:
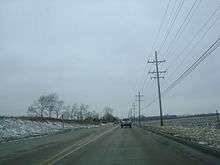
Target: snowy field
{"points": [[201, 130], [15, 128], [202, 122]]}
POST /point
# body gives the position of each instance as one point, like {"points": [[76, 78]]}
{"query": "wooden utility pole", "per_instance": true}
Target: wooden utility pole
{"points": [[133, 108], [139, 107], [218, 122], [130, 113], [157, 72]]}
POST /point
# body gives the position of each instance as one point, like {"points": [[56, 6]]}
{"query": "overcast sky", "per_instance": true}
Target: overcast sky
{"points": [[95, 52]]}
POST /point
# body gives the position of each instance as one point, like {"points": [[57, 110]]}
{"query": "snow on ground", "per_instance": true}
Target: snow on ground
{"points": [[201, 130], [202, 122], [204, 136], [15, 128]]}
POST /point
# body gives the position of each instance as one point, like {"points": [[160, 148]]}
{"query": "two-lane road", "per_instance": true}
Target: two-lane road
{"points": [[103, 146]]}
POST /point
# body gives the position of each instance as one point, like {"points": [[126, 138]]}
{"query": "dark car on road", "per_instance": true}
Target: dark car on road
{"points": [[126, 123]]}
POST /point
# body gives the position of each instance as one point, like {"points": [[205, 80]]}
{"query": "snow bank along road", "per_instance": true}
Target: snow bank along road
{"points": [[103, 146]]}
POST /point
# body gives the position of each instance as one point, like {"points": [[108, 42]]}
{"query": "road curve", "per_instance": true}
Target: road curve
{"points": [[103, 146]]}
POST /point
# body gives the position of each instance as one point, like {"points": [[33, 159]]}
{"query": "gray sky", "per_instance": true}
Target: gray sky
{"points": [[95, 52]]}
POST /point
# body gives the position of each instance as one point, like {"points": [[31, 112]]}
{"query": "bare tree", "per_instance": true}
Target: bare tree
{"points": [[95, 115], [108, 114], [48, 105], [45, 105], [59, 106], [66, 112], [52, 102], [74, 111], [33, 111], [83, 111]]}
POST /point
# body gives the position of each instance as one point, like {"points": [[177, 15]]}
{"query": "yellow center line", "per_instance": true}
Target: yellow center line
{"points": [[80, 145]]}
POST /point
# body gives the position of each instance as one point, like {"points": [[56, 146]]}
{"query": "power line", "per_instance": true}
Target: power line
{"points": [[182, 28], [198, 41], [150, 103], [189, 70], [155, 40], [159, 30], [172, 23], [184, 24], [161, 25], [199, 31], [172, 13]]}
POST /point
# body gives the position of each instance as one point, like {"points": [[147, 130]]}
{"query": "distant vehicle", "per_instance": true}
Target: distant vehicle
{"points": [[126, 123], [115, 122], [104, 122]]}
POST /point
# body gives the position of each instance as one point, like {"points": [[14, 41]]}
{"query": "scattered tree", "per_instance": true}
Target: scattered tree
{"points": [[51, 106], [108, 114]]}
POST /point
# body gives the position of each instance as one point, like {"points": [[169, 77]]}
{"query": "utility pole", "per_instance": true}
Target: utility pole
{"points": [[157, 76], [130, 113], [139, 107], [133, 108], [217, 116]]}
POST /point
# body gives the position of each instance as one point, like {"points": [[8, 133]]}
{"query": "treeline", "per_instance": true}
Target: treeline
{"points": [[52, 106], [149, 118]]}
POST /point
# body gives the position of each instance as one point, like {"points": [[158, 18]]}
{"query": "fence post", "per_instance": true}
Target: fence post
{"points": [[217, 116], [62, 121]]}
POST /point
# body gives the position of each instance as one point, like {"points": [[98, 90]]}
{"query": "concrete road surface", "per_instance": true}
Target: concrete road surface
{"points": [[103, 146]]}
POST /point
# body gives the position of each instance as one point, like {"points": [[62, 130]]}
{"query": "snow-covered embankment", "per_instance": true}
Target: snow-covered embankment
{"points": [[205, 137], [16, 128]]}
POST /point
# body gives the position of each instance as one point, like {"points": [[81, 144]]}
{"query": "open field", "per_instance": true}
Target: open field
{"points": [[202, 122], [201, 130]]}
